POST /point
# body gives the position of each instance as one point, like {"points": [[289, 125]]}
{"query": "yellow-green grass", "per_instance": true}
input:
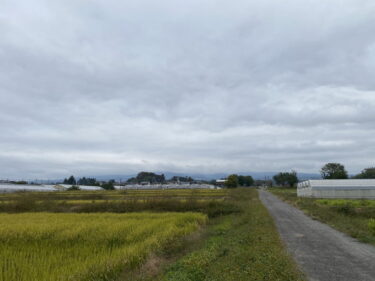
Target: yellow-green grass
{"points": [[53, 247], [352, 216], [347, 202]]}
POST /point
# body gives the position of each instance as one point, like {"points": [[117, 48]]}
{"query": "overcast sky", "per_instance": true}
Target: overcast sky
{"points": [[114, 87]]}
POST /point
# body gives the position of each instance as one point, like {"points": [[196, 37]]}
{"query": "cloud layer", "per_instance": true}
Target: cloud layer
{"points": [[93, 87]]}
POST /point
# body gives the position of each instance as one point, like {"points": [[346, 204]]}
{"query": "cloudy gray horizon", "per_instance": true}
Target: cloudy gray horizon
{"points": [[115, 87]]}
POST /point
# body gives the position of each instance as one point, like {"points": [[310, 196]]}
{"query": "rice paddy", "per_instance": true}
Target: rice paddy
{"points": [[120, 194], [210, 202], [115, 235], [48, 247]]}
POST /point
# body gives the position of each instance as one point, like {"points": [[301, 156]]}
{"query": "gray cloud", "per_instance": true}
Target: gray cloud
{"points": [[92, 87]]}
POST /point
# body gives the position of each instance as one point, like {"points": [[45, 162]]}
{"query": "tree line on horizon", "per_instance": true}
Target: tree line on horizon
{"points": [[235, 180], [328, 171], [108, 185], [286, 179], [338, 171], [142, 177]]}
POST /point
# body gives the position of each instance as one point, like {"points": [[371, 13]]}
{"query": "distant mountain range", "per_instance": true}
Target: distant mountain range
{"points": [[197, 176]]}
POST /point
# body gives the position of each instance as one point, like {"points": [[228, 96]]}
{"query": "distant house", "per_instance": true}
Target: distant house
{"points": [[221, 182], [348, 188]]}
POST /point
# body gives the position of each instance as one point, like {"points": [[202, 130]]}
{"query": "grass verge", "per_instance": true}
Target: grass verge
{"points": [[353, 217], [241, 246]]}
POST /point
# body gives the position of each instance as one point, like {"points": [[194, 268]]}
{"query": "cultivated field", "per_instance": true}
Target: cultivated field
{"points": [[210, 202], [140, 235], [120, 194], [47, 247], [355, 217]]}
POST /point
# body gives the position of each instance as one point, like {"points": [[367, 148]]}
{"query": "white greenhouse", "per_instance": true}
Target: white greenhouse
{"points": [[24, 187], [351, 188]]}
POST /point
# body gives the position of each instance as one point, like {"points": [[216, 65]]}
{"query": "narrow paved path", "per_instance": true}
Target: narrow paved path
{"points": [[323, 253]]}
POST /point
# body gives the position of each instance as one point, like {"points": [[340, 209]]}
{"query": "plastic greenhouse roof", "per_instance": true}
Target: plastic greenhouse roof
{"points": [[339, 184]]}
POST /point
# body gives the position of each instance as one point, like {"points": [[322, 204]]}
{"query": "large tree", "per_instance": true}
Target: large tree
{"points": [[181, 179], [110, 185], [147, 177], [71, 180], [286, 179], [334, 171], [87, 181], [245, 180], [368, 173], [232, 181]]}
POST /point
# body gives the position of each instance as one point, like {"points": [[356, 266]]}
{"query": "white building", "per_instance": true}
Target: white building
{"points": [[350, 188]]}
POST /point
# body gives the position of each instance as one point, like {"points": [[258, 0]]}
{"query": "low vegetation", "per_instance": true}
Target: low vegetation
{"points": [[134, 235], [48, 247], [354, 217], [241, 246], [211, 202], [119, 194], [371, 226]]}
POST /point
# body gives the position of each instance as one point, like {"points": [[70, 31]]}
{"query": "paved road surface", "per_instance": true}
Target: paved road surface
{"points": [[323, 253]]}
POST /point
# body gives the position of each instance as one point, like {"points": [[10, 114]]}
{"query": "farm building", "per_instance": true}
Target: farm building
{"points": [[351, 188]]}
